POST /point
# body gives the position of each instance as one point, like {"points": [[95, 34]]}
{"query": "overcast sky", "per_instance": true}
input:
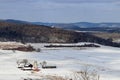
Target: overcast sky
{"points": [[61, 10]]}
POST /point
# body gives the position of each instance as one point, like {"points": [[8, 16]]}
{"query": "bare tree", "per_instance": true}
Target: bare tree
{"points": [[43, 64], [22, 61], [87, 73]]}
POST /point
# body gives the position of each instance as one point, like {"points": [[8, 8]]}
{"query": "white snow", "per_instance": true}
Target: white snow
{"points": [[105, 59], [117, 40]]}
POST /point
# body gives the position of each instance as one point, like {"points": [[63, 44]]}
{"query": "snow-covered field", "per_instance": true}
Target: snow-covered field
{"points": [[106, 60]]}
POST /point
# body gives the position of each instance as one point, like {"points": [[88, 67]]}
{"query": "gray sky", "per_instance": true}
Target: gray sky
{"points": [[61, 10]]}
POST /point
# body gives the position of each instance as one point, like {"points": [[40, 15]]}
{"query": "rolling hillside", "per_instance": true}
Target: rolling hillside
{"points": [[20, 32]]}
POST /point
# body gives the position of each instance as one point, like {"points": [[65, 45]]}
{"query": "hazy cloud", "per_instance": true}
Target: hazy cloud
{"points": [[83, 1], [61, 10], [61, 1]]}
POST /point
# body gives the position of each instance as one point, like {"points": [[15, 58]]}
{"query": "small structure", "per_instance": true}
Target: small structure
{"points": [[45, 66], [35, 66], [27, 67], [23, 64]]}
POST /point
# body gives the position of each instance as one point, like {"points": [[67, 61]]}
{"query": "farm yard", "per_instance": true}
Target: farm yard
{"points": [[104, 61]]}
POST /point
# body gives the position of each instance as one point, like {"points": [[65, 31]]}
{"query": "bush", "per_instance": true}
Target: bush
{"points": [[38, 50]]}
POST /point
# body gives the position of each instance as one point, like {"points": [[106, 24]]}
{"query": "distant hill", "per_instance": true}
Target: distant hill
{"points": [[85, 26], [91, 25], [25, 32], [16, 21], [79, 26]]}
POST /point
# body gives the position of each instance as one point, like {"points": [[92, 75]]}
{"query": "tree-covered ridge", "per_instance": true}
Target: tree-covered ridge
{"points": [[39, 33]]}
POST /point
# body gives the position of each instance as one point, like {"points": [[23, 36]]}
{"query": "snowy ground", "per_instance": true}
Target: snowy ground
{"points": [[105, 59], [117, 40]]}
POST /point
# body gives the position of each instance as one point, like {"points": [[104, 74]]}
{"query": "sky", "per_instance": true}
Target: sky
{"points": [[61, 11]]}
